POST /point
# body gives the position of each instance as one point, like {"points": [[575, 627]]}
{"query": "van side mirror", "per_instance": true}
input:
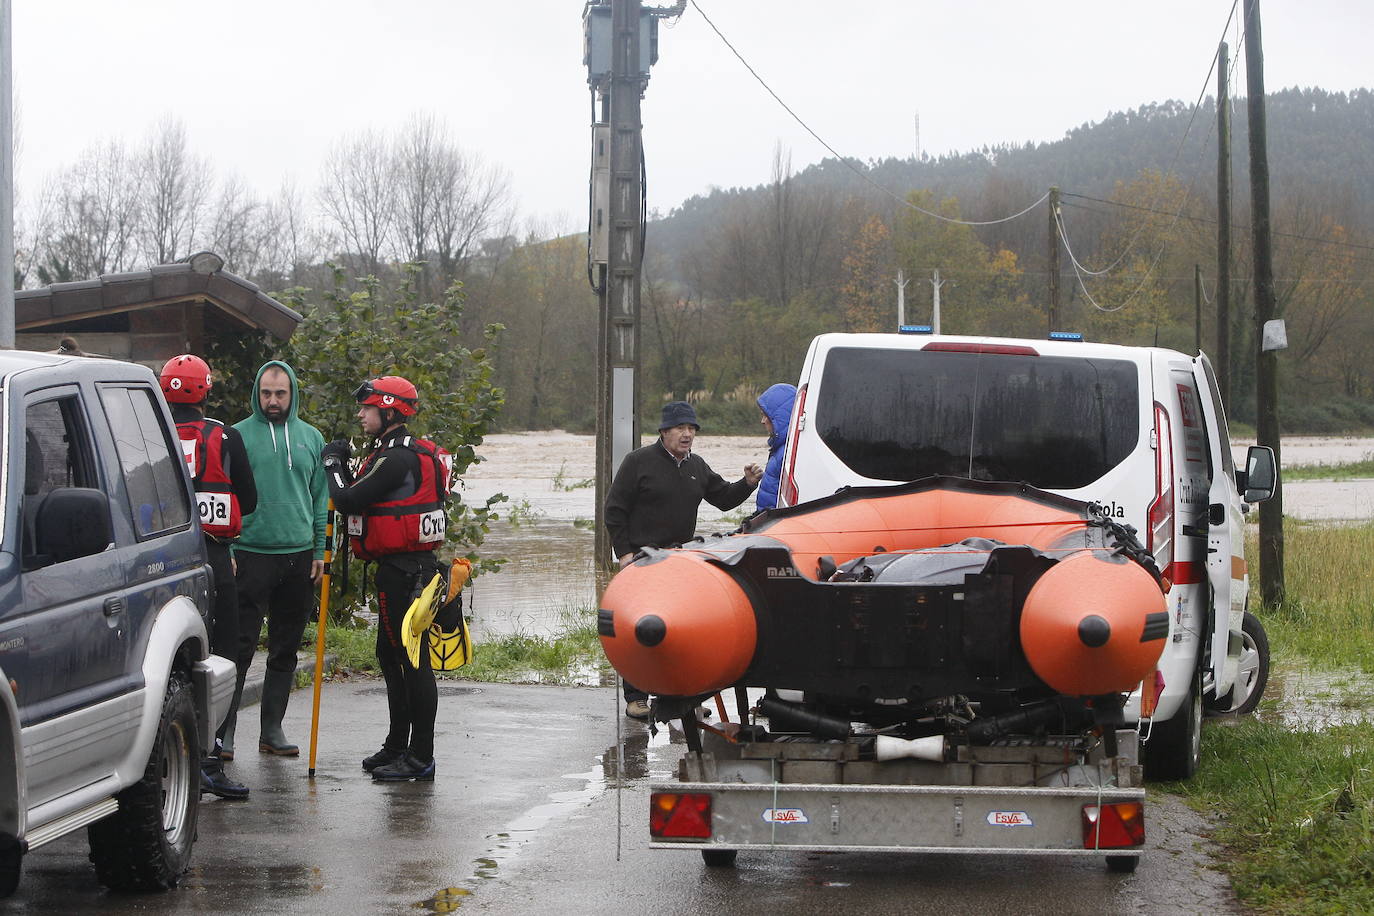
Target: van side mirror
{"points": [[1261, 475], [73, 522]]}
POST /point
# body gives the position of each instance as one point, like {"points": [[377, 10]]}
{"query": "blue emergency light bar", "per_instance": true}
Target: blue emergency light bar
{"points": [[1066, 335], [915, 329]]}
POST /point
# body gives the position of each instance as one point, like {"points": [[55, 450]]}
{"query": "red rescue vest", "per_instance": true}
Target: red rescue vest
{"points": [[202, 445], [405, 524]]}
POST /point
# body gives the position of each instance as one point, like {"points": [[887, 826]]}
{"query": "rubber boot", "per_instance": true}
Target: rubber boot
{"points": [[231, 721], [276, 690]]}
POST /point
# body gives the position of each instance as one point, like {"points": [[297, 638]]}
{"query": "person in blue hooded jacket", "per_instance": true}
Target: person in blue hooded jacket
{"points": [[775, 405]]}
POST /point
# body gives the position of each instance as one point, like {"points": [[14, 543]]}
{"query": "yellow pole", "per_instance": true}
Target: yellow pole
{"points": [[319, 634]]}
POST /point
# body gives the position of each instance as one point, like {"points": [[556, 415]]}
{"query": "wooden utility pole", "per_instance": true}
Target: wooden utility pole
{"points": [[1223, 365], [1266, 367], [1197, 307], [1053, 315]]}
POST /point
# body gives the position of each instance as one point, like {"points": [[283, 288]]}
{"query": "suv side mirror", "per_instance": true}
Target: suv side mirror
{"points": [[1261, 475], [73, 522]]}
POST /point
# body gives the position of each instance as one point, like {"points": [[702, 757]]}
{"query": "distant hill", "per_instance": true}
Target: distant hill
{"points": [[1317, 140]]}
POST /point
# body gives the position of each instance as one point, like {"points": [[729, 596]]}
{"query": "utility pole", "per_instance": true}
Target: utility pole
{"points": [[1266, 368], [1053, 315], [1197, 307], [6, 180], [935, 284], [901, 282], [1223, 366], [621, 44]]}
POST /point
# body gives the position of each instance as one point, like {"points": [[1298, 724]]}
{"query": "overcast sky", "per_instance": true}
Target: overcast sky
{"points": [[265, 87]]}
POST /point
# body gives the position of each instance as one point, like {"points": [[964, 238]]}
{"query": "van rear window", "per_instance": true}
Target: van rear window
{"points": [[1050, 421]]}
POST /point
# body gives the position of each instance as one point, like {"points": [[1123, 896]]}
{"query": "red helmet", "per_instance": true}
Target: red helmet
{"points": [[390, 391], [185, 379]]}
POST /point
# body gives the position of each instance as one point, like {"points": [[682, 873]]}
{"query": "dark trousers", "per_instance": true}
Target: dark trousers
{"points": [[275, 586], [224, 628], [412, 697], [632, 692]]}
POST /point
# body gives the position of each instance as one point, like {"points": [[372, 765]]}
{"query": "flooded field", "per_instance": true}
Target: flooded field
{"points": [[547, 476]]}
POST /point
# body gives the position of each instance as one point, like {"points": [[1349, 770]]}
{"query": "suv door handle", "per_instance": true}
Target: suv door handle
{"points": [[113, 606]]}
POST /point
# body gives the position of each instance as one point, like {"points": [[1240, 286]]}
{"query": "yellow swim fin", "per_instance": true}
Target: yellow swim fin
{"points": [[418, 618]]}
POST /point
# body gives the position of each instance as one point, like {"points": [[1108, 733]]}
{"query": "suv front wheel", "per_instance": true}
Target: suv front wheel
{"points": [[146, 845]]}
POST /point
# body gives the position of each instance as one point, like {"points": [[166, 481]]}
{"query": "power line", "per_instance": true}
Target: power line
{"points": [[845, 160], [1210, 221]]}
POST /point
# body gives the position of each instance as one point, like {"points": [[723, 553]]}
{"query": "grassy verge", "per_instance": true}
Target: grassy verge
{"points": [[518, 658], [1294, 803], [1354, 469]]}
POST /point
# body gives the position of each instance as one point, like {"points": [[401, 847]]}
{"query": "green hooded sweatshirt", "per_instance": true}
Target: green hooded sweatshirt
{"points": [[292, 491]]}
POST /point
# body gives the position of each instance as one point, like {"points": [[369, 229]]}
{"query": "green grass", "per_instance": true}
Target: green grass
{"points": [[1295, 804], [1328, 617], [1354, 469], [517, 658]]}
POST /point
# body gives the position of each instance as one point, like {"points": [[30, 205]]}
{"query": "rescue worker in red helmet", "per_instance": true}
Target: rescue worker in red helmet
{"points": [[396, 517], [225, 492]]}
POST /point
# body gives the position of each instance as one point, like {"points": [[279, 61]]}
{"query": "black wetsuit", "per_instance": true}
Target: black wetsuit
{"points": [[412, 696]]}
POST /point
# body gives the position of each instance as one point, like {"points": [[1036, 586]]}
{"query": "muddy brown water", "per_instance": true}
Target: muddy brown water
{"points": [[547, 477]]}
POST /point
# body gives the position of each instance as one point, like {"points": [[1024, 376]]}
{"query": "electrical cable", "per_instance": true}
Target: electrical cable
{"points": [[1210, 221], [597, 287], [845, 161], [1178, 151]]}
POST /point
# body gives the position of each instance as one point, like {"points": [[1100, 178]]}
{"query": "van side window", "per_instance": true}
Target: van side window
{"points": [[152, 470], [57, 453], [1228, 464]]}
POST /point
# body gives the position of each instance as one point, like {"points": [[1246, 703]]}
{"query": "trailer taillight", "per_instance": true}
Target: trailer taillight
{"points": [[685, 815], [1160, 518], [789, 482], [1113, 826]]}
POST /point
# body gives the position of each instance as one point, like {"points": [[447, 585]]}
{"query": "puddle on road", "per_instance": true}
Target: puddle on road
{"points": [[1309, 700], [506, 846]]}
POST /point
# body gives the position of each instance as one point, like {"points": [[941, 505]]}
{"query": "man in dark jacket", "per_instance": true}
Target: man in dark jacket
{"points": [[654, 499]]}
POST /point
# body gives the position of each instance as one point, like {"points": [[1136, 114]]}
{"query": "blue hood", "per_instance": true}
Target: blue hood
{"points": [[777, 402]]}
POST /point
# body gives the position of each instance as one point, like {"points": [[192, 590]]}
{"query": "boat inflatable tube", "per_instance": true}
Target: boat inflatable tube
{"points": [[886, 597]]}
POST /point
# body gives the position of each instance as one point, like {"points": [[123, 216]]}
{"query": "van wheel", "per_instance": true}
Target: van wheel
{"points": [[719, 858], [146, 844], [1252, 674], [1122, 865], [1175, 745], [11, 864]]}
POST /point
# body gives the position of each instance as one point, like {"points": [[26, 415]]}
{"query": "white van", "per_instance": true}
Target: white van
{"points": [[1139, 430]]}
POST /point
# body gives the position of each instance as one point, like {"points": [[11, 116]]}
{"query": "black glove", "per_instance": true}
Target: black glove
{"points": [[336, 454]]}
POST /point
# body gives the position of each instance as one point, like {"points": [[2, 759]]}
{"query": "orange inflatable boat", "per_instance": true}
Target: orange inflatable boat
{"points": [[888, 601]]}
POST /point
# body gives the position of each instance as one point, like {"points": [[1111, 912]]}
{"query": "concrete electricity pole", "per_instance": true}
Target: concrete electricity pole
{"points": [[6, 180], [621, 44], [1267, 359], [935, 284], [901, 282]]}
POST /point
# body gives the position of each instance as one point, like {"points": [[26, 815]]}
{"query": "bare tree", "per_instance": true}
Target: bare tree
{"points": [[174, 187], [89, 216], [472, 198], [290, 242], [237, 228], [357, 197]]}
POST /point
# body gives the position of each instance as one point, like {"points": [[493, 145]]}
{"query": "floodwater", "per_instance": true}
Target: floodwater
{"points": [[549, 542]]}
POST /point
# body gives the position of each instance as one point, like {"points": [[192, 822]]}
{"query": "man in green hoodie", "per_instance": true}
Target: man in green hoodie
{"points": [[280, 554]]}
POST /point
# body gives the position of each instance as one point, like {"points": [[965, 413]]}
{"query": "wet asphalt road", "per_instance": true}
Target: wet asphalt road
{"points": [[522, 820]]}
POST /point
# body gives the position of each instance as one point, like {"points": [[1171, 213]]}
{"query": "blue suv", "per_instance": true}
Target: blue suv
{"points": [[113, 694]]}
